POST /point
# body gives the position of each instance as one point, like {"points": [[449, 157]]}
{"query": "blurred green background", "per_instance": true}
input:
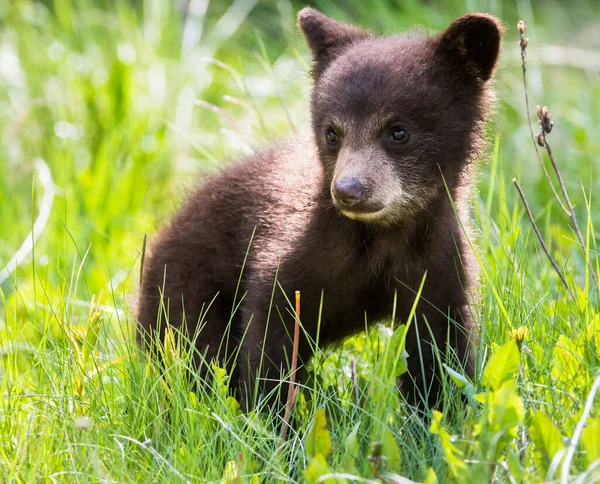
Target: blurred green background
{"points": [[127, 105]]}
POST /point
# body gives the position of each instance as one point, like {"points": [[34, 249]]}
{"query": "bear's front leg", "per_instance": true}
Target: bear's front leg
{"points": [[436, 333], [264, 358]]}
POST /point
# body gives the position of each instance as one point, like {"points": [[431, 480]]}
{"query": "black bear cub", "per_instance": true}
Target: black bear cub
{"points": [[351, 215]]}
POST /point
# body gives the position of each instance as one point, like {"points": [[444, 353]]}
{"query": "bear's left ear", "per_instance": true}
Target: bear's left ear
{"points": [[473, 42], [326, 37]]}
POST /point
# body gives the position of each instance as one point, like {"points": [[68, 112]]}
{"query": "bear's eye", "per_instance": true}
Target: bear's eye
{"points": [[331, 136], [399, 135]]}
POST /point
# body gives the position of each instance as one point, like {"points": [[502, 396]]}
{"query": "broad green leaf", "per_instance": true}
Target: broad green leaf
{"points": [[171, 352], [513, 460], [391, 451], [452, 453], [231, 473], [233, 405], [590, 439], [431, 477], [399, 362], [508, 408], [317, 468], [91, 337], [547, 438], [461, 381], [352, 451], [348, 465], [567, 368], [352, 447], [503, 365], [220, 376], [436, 423], [318, 440]]}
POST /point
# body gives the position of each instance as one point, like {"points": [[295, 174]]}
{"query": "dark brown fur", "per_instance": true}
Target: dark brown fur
{"points": [[435, 87]]}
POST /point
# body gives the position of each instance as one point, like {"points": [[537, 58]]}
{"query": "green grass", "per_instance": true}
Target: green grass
{"points": [[105, 94]]}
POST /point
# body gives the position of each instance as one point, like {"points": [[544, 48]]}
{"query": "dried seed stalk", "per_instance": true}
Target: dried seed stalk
{"points": [[292, 389], [523, 42], [539, 235]]}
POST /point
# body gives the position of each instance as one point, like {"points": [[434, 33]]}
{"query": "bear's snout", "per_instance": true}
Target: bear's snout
{"points": [[349, 192]]}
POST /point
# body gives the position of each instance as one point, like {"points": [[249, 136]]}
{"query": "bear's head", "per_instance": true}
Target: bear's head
{"points": [[397, 119]]}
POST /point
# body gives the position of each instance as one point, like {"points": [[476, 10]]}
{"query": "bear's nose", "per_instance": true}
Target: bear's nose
{"points": [[348, 191]]}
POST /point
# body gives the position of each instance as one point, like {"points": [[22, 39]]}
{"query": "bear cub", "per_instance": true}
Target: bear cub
{"points": [[352, 216]]}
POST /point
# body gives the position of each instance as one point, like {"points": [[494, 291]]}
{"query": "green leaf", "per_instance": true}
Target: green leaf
{"points": [[233, 405], [348, 465], [352, 446], [452, 453], [391, 451], [508, 408], [513, 460], [461, 381], [503, 365], [431, 477], [318, 467], [436, 424], [318, 440], [231, 473], [590, 439], [220, 376], [91, 336], [399, 364], [352, 451], [547, 438]]}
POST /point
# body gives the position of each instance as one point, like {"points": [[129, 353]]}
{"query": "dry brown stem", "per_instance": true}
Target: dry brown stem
{"points": [[539, 236], [523, 42], [292, 389]]}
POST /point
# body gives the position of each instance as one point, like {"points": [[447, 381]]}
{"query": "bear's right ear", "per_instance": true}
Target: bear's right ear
{"points": [[326, 37]]}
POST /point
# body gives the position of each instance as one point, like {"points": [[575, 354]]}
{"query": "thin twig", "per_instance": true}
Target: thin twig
{"points": [[354, 383], [564, 476], [292, 390], [539, 235], [545, 122], [570, 206], [523, 43]]}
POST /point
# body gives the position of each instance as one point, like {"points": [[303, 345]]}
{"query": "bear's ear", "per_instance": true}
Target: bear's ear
{"points": [[327, 38], [473, 43]]}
